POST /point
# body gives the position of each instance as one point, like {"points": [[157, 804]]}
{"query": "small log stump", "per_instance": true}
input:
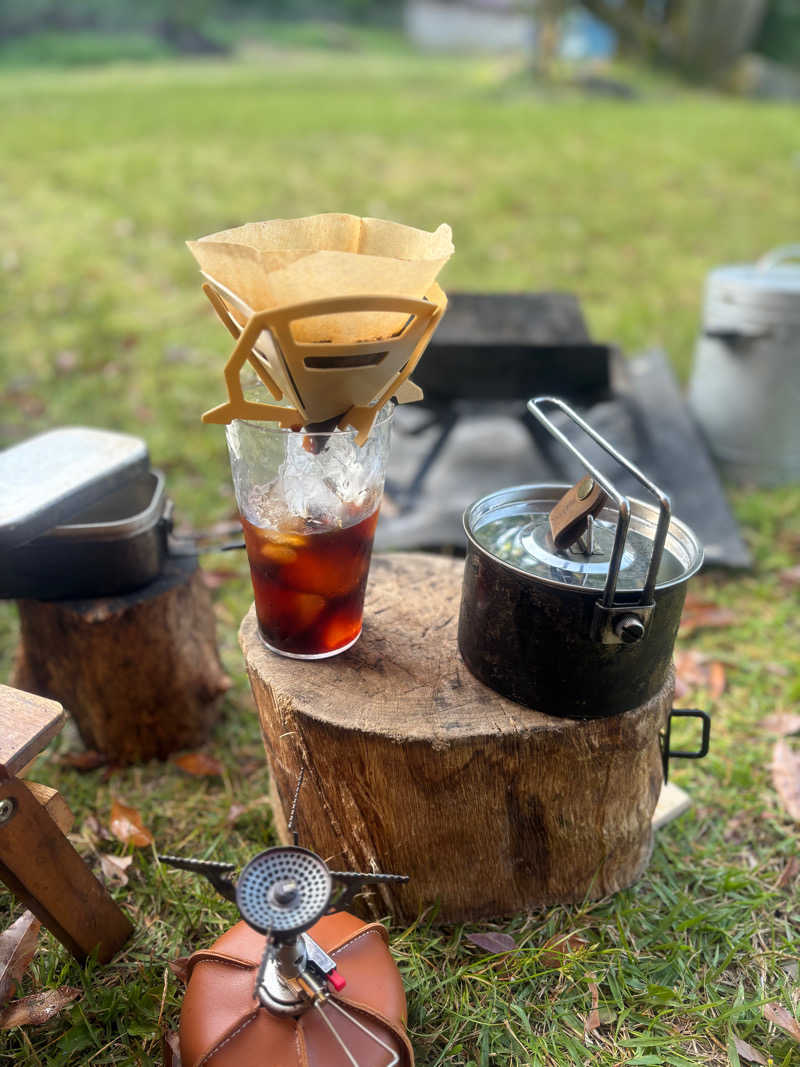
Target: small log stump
{"points": [[139, 673], [415, 767]]}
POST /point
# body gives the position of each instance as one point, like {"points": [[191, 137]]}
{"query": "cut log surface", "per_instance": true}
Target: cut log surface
{"points": [[139, 673], [415, 767]]}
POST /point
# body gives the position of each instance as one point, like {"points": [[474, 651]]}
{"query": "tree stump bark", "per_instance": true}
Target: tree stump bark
{"points": [[415, 767], [139, 673]]}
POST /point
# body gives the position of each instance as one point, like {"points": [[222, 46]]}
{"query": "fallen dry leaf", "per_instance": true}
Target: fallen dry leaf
{"points": [[557, 948], [716, 679], [249, 767], [780, 669], [496, 943], [213, 579], [693, 670], [781, 723], [126, 825], [688, 671], [17, 947], [171, 1049], [38, 1008], [747, 1052], [89, 760], [30, 404], [774, 1013], [66, 360], [115, 868], [593, 1018], [94, 830], [200, 764], [789, 873], [180, 968], [699, 614], [737, 823], [786, 777], [791, 576], [234, 811]]}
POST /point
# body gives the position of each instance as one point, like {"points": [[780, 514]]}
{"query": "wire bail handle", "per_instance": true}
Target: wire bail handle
{"points": [[776, 256], [614, 623]]}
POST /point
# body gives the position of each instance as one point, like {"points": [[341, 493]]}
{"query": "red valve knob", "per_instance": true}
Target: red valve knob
{"points": [[336, 981]]}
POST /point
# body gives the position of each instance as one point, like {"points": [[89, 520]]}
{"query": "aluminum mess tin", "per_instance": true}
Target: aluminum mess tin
{"points": [[82, 515], [114, 546], [528, 621]]}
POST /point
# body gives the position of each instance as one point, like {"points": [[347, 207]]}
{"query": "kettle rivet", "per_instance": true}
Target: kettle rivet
{"points": [[585, 487], [629, 629]]}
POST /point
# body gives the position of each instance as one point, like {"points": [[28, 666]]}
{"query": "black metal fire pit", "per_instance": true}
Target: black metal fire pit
{"points": [[472, 432]]}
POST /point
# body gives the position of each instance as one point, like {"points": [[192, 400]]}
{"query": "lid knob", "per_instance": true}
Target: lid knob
{"points": [[569, 519]]}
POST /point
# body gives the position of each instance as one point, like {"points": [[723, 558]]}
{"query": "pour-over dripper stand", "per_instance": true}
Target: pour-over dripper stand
{"points": [[345, 384]]}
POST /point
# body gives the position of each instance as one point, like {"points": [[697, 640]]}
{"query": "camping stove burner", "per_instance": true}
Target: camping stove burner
{"points": [[283, 891]]}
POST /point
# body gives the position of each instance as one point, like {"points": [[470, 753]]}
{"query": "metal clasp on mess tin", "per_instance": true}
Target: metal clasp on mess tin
{"points": [[613, 623]]}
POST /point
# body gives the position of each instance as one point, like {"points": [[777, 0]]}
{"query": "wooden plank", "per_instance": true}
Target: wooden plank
{"points": [[28, 723], [54, 804], [673, 802], [43, 870]]}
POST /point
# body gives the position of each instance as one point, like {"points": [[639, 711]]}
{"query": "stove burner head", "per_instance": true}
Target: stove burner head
{"points": [[283, 891]]}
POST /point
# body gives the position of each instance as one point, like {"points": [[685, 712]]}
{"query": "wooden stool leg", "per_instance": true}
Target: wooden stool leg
{"points": [[54, 804], [43, 870]]}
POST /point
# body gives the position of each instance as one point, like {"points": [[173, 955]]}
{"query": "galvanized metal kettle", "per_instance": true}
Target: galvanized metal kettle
{"points": [[745, 384]]}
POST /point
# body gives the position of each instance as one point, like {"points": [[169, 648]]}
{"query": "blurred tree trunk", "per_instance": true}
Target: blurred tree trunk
{"points": [[548, 15], [183, 27], [697, 37]]}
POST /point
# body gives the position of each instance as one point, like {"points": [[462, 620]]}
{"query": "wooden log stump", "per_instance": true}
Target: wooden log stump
{"points": [[140, 673], [413, 766]]}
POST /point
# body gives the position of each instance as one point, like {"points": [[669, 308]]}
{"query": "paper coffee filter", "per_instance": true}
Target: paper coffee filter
{"points": [[291, 261]]}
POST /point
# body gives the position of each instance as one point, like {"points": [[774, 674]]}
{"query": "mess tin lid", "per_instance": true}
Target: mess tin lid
{"points": [[513, 526], [48, 478]]}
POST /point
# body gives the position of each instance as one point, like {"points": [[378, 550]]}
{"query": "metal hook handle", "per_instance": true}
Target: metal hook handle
{"points": [[622, 502], [779, 255], [667, 753]]}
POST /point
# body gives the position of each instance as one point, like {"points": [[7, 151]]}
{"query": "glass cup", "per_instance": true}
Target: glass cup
{"points": [[309, 505]]}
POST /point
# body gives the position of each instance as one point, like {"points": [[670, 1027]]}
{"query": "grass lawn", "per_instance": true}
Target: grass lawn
{"points": [[103, 175]]}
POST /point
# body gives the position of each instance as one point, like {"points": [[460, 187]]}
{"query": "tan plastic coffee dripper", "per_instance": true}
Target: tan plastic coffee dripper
{"points": [[319, 380], [332, 311]]}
